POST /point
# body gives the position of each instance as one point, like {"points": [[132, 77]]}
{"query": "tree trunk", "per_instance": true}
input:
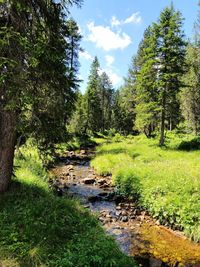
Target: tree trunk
{"points": [[7, 147], [170, 124], [162, 126], [103, 114]]}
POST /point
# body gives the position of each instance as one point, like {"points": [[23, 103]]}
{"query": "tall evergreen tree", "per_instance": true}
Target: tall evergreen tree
{"points": [[123, 110], [35, 86], [146, 82], [171, 53], [78, 122], [106, 97], [93, 100]]}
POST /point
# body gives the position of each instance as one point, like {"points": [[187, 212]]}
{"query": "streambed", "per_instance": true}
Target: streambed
{"points": [[137, 234]]}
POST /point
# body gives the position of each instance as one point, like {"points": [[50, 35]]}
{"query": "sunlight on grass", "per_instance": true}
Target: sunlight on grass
{"points": [[166, 180], [39, 229]]}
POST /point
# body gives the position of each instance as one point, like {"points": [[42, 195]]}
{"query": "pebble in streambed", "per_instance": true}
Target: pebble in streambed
{"points": [[137, 234]]}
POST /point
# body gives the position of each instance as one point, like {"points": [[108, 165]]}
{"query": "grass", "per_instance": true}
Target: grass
{"points": [[166, 181], [39, 229]]}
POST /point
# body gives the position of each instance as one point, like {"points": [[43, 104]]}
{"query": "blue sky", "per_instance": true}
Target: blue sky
{"points": [[112, 30]]}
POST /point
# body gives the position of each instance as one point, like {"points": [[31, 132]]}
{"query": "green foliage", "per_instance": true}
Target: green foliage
{"points": [[124, 108], [190, 93], [106, 97], [78, 123], [166, 180], [93, 100], [146, 87], [40, 229], [38, 74], [94, 109], [127, 183], [155, 75], [117, 138], [124, 103]]}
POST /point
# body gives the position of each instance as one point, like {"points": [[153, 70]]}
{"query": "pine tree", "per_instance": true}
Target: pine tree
{"points": [[117, 113], [78, 121], [93, 100], [106, 96], [146, 83], [35, 86], [171, 53], [123, 109]]}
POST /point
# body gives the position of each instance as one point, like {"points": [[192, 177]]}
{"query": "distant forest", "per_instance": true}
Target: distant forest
{"points": [[160, 93]]}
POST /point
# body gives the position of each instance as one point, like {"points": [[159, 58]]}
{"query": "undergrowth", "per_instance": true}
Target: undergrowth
{"points": [[166, 180], [40, 229]]}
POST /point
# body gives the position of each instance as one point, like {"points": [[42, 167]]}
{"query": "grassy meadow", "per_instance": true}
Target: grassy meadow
{"points": [[39, 229], [166, 181]]}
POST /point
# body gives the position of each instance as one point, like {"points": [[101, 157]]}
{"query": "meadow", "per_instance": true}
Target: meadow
{"points": [[164, 180], [39, 229]]}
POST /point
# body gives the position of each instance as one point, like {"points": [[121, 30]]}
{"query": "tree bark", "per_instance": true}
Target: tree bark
{"points": [[7, 147], [162, 126]]}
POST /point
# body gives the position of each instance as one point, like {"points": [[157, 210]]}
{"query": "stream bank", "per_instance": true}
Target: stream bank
{"points": [[137, 234]]}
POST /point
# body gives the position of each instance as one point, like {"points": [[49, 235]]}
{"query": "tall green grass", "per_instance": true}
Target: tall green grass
{"points": [[166, 180], [40, 229]]}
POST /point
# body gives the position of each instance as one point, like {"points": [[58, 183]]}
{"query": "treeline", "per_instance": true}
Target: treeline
{"points": [[102, 108], [160, 92]]}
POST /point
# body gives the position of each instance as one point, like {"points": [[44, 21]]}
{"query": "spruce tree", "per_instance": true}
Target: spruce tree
{"points": [[93, 100], [146, 83], [106, 97], [170, 53], [78, 122], [123, 109], [35, 83]]}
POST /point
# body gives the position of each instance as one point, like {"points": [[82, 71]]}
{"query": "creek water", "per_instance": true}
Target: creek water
{"points": [[138, 234]]}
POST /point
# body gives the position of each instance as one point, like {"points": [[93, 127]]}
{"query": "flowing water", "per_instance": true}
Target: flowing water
{"points": [[137, 234]]}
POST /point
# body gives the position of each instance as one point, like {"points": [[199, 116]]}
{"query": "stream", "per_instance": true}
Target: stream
{"points": [[138, 234]]}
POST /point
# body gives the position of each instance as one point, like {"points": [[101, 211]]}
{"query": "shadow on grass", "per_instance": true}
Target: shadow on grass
{"points": [[112, 151], [40, 229], [185, 145], [190, 145]]}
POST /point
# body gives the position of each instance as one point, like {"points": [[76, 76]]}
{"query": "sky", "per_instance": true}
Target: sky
{"points": [[113, 29]]}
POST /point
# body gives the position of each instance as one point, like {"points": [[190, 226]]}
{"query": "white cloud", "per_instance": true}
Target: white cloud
{"points": [[105, 38], [114, 77], [135, 18], [109, 60], [114, 21], [86, 55]]}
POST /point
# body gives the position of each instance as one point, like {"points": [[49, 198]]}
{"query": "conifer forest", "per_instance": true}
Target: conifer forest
{"points": [[95, 173]]}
